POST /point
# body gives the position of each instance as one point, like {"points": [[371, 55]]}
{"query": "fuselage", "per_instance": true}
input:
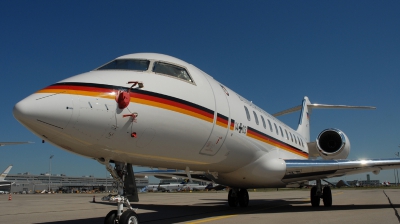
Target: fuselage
{"points": [[181, 118]]}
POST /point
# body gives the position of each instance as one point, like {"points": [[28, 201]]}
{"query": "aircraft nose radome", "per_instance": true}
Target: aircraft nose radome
{"points": [[21, 111], [50, 111]]}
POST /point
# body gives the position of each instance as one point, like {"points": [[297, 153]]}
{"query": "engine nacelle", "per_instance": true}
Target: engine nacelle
{"points": [[333, 144]]}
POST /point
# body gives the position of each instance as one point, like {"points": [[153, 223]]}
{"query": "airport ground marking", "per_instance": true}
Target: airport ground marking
{"points": [[233, 215]]}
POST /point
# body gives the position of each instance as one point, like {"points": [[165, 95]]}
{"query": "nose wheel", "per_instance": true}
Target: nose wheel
{"points": [[129, 217]]}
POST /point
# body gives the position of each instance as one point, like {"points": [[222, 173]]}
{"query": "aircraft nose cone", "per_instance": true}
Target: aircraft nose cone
{"points": [[22, 112], [44, 111]]}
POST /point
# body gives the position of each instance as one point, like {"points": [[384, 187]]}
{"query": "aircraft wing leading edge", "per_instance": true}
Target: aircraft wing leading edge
{"points": [[302, 170], [195, 175], [298, 171]]}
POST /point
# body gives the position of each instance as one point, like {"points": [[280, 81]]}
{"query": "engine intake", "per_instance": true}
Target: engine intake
{"points": [[333, 144]]}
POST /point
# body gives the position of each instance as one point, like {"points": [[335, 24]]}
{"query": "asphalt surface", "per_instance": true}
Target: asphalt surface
{"points": [[349, 206]]}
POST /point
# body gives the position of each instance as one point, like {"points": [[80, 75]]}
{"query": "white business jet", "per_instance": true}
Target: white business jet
{"points": [[158, 111]]}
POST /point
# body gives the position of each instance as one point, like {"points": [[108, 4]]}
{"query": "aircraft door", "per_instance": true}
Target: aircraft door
{"points": [[221, 120]]}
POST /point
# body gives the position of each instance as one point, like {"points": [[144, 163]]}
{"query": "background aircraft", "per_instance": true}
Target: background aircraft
{"points": [[13, 143], [4, 175]]}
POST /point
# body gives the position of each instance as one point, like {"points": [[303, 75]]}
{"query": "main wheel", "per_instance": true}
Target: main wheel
{"points": [[232, 200], [327, 196], [111, 217], [129, 217], [243, 197], [315, 200]]}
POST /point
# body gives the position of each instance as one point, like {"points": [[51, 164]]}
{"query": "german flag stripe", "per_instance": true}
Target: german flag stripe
{"points": [[232, 124], [137, 96], [222, 120], [275, 142]]}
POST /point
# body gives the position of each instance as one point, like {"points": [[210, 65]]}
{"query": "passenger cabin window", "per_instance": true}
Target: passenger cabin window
{"points": [[295, 140], [247, 113], [127, 64], [270, 126], [171, 70], [255, 117], [262, 119], [291, 137], [276, 129], [281, 131], [287, 136], [300, 142]]}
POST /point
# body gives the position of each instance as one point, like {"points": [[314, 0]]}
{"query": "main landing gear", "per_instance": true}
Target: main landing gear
{"points": [[238, 196], [317, 193], [127, 192]]}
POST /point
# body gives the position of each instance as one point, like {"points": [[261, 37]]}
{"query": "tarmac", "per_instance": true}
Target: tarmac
{"points": [[349, 206]]}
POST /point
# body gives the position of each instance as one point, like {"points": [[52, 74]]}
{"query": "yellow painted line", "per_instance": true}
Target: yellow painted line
{"points": [[212, 219], [230, 216]]}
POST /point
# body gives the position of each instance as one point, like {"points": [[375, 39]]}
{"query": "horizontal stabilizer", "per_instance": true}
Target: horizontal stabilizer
{"points": [[321, 106]]}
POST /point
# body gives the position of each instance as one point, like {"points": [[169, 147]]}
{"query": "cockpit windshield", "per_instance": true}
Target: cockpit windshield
{"points": [[171, 70], [127, 64]]}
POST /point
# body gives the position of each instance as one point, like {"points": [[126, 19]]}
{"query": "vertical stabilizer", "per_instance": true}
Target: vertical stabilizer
{"points": [[4, 174], [304, 122]]}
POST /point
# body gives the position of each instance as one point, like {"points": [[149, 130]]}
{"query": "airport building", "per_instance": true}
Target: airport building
{"points": [[28, 183]]}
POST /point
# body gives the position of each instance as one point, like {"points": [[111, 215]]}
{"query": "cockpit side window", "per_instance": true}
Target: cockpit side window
{"points": [[171, 70], [127, 64]]}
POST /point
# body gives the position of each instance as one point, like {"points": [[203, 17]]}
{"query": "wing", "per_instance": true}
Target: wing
{"points": [[303, 170], [167, 174]]}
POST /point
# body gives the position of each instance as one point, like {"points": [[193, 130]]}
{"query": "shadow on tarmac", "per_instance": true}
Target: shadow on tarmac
{"points": [[165, 214]]}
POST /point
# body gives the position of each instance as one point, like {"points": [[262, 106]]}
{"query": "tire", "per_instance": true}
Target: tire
{"points": [[243, 197], [111, 217], [232, 201], [327, 196], [315, 200], [129, 217]]}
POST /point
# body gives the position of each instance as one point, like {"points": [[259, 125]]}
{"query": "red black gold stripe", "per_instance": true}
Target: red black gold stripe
{"points": [[232, 124], [137, 96], [273, 141], [222, 121]]}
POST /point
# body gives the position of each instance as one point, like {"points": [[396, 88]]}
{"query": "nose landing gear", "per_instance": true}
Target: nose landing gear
{"points": [[127, 192]]}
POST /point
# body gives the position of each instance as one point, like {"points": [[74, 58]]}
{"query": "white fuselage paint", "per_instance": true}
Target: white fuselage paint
{"points": [[87, 121]]}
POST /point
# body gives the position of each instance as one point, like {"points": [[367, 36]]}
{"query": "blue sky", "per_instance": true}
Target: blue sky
{"points": [[271, 52]]}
